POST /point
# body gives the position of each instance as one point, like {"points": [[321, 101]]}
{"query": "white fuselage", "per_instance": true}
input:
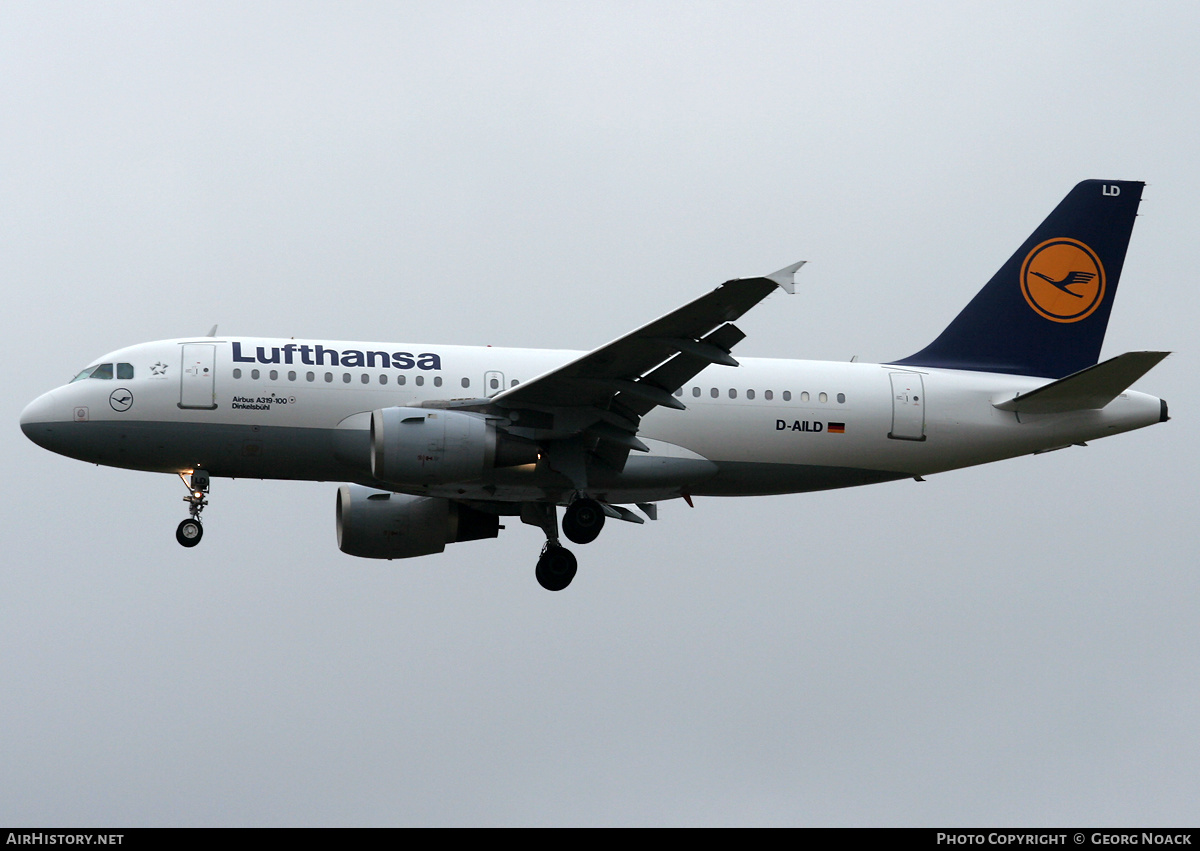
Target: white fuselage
{"points": [[270, 408]]}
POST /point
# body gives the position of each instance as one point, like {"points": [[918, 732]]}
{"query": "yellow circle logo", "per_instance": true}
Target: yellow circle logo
{"points": [[1063, 280]]}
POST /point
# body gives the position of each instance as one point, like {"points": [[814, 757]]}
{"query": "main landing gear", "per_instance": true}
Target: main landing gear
{"points": [[556, 567], [189, 532], [583, 520], [581, 523]]}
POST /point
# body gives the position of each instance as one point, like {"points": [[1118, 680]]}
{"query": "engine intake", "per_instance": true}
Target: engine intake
{"points": [[379, 524], [419, 446]]}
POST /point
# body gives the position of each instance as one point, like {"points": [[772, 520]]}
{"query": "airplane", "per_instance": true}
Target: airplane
{"points": [[437, 444]]}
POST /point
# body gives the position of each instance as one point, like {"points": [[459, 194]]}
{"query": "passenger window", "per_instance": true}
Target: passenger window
{"points": [[495, 383], [714, 392], [366, 379], [328, 377], [254, 373], [310, 376], [732, 393], [841, 397], [768, 395], [466, 382], [749, 394], [400, 379], [237, 373], [274, 375], [787, 395], [420, 380], [824, 397], [514, 383], [383, 378], [437, 381], [345, 378], [125, 371], [679, 392], [696, 391], [804, 396], [291, 375]]}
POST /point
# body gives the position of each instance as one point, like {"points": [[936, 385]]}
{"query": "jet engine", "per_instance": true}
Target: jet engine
{"points": [[378, 524], [419, 446]]}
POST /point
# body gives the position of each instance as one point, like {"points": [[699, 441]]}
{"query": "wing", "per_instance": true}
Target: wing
{"points": [[593, 405]]}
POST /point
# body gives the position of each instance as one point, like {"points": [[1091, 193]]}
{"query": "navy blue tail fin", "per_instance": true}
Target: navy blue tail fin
{"points": [[1045, 312]]}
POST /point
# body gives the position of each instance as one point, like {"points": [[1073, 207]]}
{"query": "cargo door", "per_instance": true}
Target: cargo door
{"points": [[908, 406]]}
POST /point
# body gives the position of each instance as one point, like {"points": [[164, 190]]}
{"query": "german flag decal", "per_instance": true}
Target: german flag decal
{"points": [[836, 428]]}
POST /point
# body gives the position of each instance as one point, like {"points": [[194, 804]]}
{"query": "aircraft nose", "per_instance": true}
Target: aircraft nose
{"points": [[39, 418]]}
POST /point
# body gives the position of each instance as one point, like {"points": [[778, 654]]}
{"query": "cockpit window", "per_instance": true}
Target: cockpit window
{"points": [[103, 370], [124, 371]]}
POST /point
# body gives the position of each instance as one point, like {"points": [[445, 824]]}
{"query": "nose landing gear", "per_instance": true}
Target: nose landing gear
{"points": [[189, 532]]}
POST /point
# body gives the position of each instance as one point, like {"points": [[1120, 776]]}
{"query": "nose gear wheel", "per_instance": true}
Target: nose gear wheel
{"points": [[189, 532]]}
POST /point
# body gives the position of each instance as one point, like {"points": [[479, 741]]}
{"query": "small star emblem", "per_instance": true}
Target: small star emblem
{"points": [[159, 368]]}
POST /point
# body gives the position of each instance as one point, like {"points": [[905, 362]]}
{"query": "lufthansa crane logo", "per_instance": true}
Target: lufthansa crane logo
{"points": [[1063, 280], [121, 400]]}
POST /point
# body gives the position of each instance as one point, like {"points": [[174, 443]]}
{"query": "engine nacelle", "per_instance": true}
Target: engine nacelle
{"points": [[378, 524], [419, 446]]}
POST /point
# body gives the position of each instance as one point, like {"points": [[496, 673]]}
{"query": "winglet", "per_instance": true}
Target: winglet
{"points": [[786, 277]]}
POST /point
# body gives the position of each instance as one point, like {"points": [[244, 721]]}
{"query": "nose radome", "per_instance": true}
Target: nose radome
{"points": [[39, 416]]}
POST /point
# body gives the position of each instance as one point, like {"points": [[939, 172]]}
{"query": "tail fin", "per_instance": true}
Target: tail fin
{"points": [[1045, 312]]}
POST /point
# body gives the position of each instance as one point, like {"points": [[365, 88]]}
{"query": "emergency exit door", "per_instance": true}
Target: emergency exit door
{"points": [[493, 383]]}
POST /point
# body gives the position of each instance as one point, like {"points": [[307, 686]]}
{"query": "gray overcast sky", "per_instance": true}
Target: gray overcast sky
{"points": [[1008, 645]]}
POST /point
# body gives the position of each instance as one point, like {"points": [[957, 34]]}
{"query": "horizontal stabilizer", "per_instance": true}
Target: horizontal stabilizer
{"points": [[1089, 388]]}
